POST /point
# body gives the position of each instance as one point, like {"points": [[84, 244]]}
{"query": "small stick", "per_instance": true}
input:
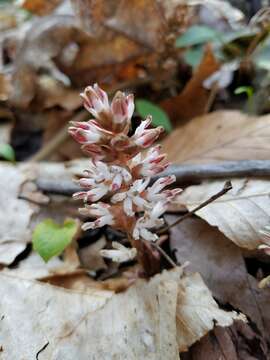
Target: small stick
{"points": [[184, 174], [226, 188], [163, 253]]}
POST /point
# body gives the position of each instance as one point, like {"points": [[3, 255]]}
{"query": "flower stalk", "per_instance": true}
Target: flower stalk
{"points": [[116, 187]]}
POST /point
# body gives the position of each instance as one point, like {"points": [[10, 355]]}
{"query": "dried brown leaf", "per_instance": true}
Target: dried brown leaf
{"points": [[223, 269], [140, 20], [240, 214], [148, 320], [221, 135], [192, 100], [40, 7]]}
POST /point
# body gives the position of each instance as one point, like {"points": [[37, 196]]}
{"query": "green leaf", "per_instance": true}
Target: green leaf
{"points": [[160, 118], [7, 152], [194, 56], [248, 90], [262, 57], [196, 35], [50, 239]]}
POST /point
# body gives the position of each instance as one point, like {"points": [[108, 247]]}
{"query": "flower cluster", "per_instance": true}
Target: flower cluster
{"points": [[116, 188]]}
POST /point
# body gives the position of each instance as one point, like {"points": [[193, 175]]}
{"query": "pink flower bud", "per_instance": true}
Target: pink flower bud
{"points": [[122, 110], [95, 100], [89, 132]]}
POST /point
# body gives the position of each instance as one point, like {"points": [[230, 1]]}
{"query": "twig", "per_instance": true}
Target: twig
{"points": [[42, 349], [226, 188], [163, 253], [183, 173], [62, 134]]}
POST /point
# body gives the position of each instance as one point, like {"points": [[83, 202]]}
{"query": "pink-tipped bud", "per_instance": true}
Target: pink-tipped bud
{"points": [[89, 132], [122, 110], [95, 100]]}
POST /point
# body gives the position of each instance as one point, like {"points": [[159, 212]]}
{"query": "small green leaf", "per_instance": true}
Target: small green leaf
{"points": [[7, 152], [160, 118], [248, 90], [196, 35], [50, 239]]}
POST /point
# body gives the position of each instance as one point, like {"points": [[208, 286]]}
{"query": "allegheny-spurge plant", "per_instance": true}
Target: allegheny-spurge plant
{"points": [[116, 188]]}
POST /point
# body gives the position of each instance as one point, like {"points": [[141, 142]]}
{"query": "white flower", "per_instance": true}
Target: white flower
{"points": [[120, 254], [99, 210], [154, 194], [151, 164], [133, 196], [149, 221], [100, 180], [144, 137]]}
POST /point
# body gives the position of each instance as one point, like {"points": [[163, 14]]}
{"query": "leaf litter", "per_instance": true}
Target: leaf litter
{"points": [[74, 312]]}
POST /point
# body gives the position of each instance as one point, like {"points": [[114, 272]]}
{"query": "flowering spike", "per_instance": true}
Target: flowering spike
{"points": [[115, 188]]}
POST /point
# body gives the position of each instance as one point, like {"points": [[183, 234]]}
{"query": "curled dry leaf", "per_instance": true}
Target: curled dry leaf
{"points": [[220, 136], [240, 214], [152, 320], [192, 100]]}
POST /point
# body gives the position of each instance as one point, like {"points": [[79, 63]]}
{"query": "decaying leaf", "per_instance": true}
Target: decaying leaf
{"points": [[192, 100], [219, 136], [151, 320], [15, 214], [40, 7], [238, 342], [240, 214], [223, 269]]}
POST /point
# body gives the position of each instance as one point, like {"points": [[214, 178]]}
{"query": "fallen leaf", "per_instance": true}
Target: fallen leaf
{"points": [[150, 320], [220, 136], [238, 342], [240, 214], [193, 98], [222, 267], [133, 21], [15, 214], [197, 312], [40, 7]]}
